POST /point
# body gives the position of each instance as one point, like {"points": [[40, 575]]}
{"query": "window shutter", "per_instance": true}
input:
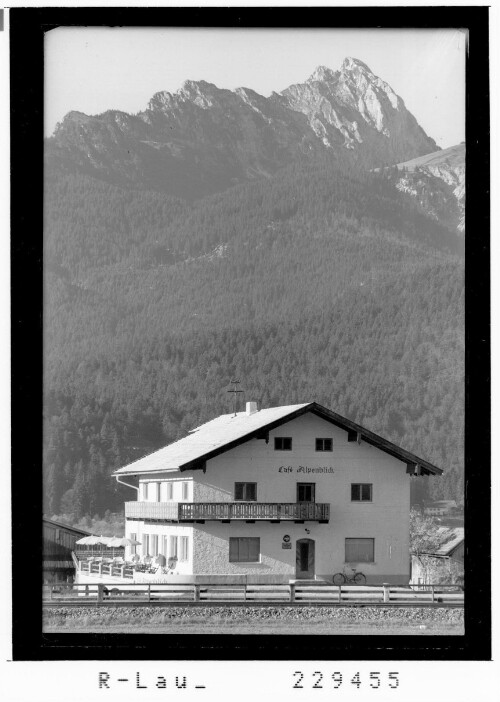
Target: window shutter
{"points": [[233, 550], [359, 550], [173, 547]]}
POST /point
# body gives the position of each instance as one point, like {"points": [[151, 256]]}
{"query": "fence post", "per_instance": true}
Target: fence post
{"points": [[149, 592], [340, 593], [387, 593], [432, 593], [292, 592], [196, 593], [100, 589]]}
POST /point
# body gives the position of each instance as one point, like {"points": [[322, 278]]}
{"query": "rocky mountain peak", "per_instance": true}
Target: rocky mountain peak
{"points": [[202, 130], [323, 73], [354, 64]]}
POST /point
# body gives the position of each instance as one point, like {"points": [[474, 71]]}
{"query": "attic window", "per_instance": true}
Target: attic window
{"points": [[323, 445], [282, 443]]}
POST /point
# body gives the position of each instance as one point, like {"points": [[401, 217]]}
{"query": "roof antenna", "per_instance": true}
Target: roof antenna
{"points": [[235, 391]]}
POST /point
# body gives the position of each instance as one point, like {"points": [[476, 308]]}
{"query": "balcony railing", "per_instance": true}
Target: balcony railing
{"points": [[226, 511]]}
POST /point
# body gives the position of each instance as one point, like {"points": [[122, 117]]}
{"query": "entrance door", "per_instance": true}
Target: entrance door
{"points": [[304, 559]]}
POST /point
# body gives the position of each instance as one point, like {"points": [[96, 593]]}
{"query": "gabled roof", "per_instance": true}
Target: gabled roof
{"points": [[228, 431], [450, 538], [60, 525]]}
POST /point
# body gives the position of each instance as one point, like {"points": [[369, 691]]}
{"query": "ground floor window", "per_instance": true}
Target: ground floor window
{"points": [[244, 550], [133, 547], [184, 548], [360, 550], [172, 553], [154, 545], [145, 544]]}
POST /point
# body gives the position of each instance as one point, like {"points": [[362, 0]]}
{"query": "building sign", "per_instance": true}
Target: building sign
{"points": [[286, 542], [305, 469]]}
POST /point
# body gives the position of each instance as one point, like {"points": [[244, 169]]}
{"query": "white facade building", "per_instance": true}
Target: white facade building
{"points": [[295, 492]]}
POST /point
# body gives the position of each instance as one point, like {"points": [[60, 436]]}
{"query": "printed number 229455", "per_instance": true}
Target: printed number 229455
{"points": [[319, 680]]}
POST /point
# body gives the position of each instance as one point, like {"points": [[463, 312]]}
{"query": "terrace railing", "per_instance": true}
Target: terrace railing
{"points": [[227, 511]]}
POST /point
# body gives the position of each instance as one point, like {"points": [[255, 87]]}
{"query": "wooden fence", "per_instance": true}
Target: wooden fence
{"points": [[294, 593]]}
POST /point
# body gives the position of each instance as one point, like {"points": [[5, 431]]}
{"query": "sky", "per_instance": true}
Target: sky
{"points": [[95, 69]]}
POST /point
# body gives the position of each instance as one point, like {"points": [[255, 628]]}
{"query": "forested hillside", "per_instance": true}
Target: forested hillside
{"points": [[321, 283]]}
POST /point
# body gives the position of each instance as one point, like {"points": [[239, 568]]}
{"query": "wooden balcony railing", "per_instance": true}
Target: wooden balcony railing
{"points": [[225, 511]]}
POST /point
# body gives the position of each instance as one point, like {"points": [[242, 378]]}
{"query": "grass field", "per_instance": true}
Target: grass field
{"points": [[258, 620]]}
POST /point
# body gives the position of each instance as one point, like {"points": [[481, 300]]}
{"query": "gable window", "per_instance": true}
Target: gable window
{"points": [[306, 492], [359, 550], [324, 445], [245, 491], [244, 549], [361, 492], [282, 443]]}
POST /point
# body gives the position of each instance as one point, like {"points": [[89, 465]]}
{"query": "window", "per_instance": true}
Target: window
{"points": [[360, 550], [306, 492], [165, 546], [185, 491], [245, 491], [173, 547], [133, 548], [145, 544], [244, 550], [323, 445], [170, 491], [154, 545], [184, 548], [361, 492], [282, 443], [142, 493]]}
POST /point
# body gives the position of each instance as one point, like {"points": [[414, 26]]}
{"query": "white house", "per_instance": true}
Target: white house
{"points": [[295, 492]]}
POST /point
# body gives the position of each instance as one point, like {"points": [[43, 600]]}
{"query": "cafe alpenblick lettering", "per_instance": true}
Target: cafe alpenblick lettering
{"points": [[305, 469]]}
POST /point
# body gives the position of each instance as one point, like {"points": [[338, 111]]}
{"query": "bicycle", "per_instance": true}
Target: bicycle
{"points": [[355, 577]]}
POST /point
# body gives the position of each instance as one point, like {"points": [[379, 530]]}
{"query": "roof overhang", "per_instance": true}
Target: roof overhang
{"points": [[355, 433]]}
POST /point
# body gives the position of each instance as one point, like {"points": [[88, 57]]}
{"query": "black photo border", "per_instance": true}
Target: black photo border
{"points": [[28, 27]]}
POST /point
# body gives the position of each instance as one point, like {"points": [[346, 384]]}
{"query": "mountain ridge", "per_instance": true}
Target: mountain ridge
{"points": [[203, 139]]}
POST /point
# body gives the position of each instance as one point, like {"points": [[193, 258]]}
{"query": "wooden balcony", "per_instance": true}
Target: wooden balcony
{"points": [[228, 511]]}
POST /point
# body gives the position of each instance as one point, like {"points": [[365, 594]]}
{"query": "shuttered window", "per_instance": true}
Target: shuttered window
{"points": [[359, 550], [245, 491], [184, 548], [244, 550]]}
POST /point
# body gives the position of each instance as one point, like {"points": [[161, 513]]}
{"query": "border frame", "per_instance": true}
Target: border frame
{"points": [[28, 27]]}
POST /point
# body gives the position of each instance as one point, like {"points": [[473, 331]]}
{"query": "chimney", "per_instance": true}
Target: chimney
{"points": [[251, 408]]}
